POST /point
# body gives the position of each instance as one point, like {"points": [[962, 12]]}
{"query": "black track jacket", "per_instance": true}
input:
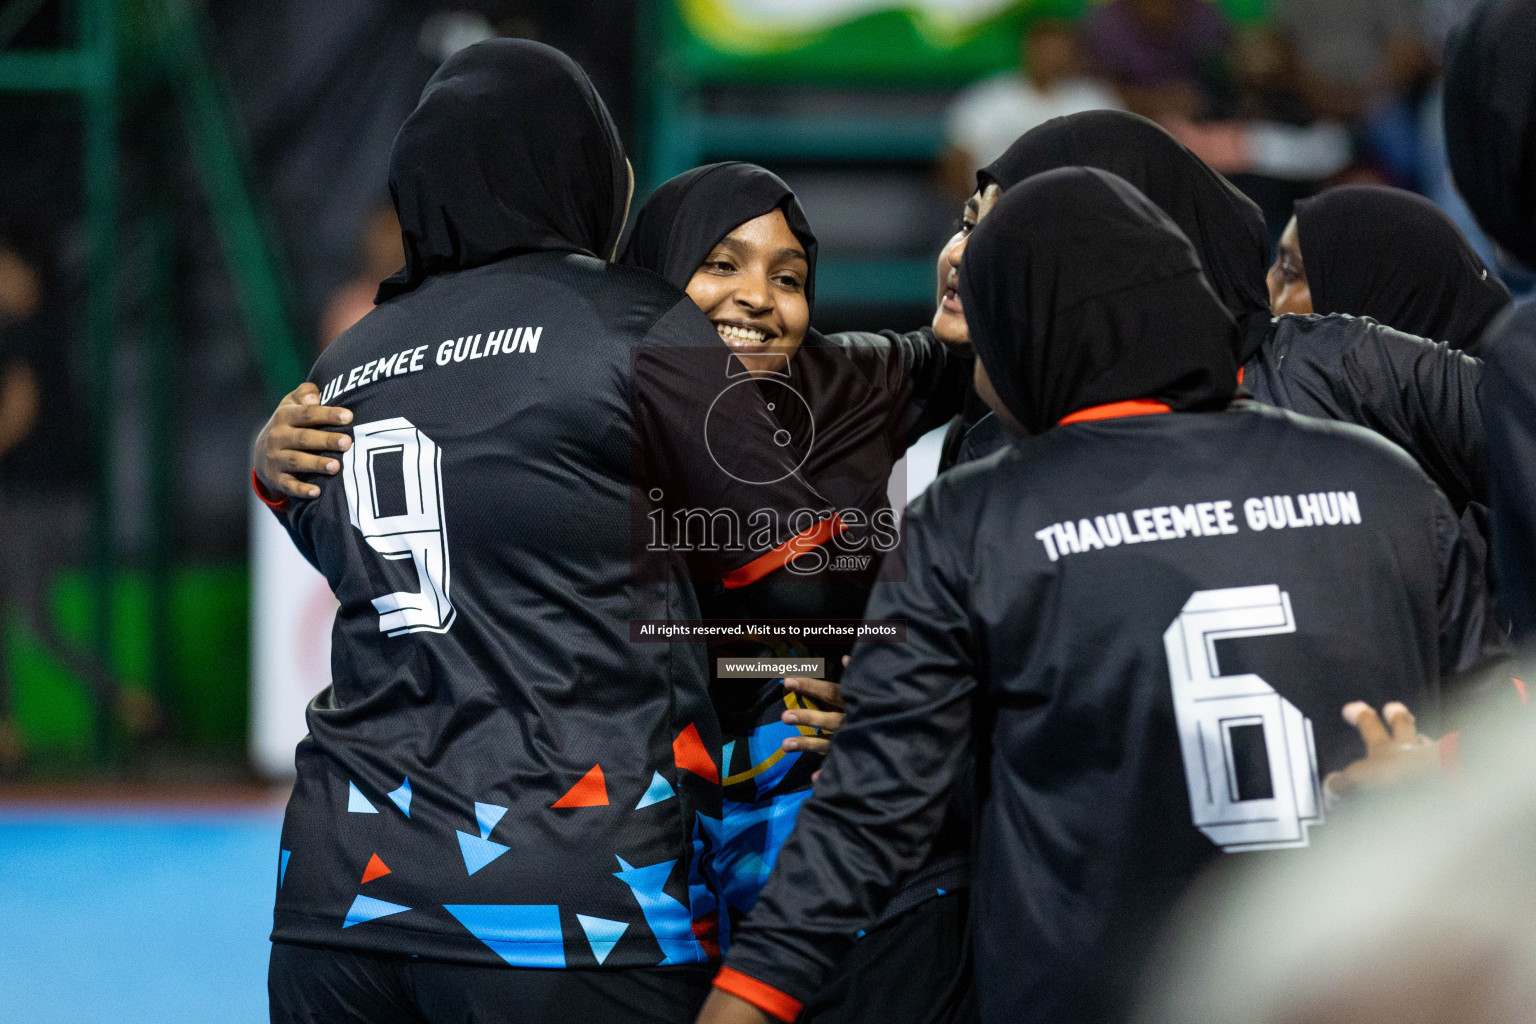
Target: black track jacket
{"points": [[1145, 629], [499, 772], [1422, 395]]}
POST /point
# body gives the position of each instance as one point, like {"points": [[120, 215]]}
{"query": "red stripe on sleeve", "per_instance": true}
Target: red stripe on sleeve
{"points": [[760, 994], [772, 561], [276, 501]]}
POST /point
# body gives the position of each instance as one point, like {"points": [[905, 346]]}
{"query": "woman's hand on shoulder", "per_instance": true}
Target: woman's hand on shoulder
{"points": [[294, 439]]}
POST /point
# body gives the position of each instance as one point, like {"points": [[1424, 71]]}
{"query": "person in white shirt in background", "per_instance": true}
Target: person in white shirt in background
{"points": [[985, 117]]}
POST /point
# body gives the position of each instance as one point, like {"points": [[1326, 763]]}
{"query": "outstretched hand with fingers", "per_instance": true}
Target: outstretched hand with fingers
{"points": [[290, 441], [823, 692], [826, 723], [1395, 752]]}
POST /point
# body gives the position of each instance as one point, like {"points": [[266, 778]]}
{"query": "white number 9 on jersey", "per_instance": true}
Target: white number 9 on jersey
{"points": [[393, 476], [1248, 752]]}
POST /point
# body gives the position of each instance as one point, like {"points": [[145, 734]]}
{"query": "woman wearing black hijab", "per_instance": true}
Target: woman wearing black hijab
{"points": [[1391, 255], [711, 231], [1490, 131], [1064, 597], [494, 810], [1421, 395]]}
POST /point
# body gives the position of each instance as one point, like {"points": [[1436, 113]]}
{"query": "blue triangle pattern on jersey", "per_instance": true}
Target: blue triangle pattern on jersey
{"points": [[282, 867], [660, 790], [670, 922], [748, 843], [357, 803], [478, 852], [402, 797], [366, 908], [524, 935], [602, 934], [488, 815], [764, 742], [705, 891]]}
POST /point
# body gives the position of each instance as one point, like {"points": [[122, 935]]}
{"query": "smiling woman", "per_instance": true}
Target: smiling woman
{"points": [[752, 287], [734, 237]]}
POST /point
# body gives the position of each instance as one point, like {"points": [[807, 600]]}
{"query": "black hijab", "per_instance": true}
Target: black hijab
{"points": [[1490, 120], [1225, 226], [510, 150], [1079, 292], [688, 215], [1397, 258]]}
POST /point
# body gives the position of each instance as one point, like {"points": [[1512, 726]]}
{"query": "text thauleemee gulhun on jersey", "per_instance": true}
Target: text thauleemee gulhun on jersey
{"points": [[1199, 519]]}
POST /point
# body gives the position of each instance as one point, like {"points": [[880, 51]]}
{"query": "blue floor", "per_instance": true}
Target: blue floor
{"points": [[130, 916]]}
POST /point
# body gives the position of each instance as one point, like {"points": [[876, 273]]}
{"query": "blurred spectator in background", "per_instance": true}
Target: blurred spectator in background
{"points": [[1441, 19], [43, 512], [1167, 58], [20, 290], [1267, 130], [379, 254], [984, 119], [20, 396], [1359, 61]]}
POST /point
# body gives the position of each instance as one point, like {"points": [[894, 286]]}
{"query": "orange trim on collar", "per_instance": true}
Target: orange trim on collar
{"points": [[1116, 410], [760, 994], [1239, 376], [771, 561]]}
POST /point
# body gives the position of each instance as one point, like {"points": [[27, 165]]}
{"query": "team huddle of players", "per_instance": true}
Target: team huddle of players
{"points": [[1175, 535]]}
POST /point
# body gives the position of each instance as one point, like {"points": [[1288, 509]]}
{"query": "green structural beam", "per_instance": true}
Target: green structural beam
{"points": [[886, 138], [45, 71], [249, 251], [99, 39], [862, 282]]}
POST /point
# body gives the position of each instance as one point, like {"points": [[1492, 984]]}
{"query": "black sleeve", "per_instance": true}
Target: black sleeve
{"points": [[1470, 631], [986, 437], [973, 412], [886, 784], [291, 516], [935, 374], [1420, 394], [1509, 411], [706, 442]]}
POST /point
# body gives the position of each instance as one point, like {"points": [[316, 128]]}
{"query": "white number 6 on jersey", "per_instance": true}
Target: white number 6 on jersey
{"points": [[1249, 757], [393, 476]]}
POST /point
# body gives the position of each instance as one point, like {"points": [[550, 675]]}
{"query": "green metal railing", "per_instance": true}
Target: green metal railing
{"points": [[687, 47], [149, 58], [883, 53]]}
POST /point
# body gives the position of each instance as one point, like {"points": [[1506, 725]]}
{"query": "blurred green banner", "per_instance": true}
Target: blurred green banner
{"points": [[917, 40]]}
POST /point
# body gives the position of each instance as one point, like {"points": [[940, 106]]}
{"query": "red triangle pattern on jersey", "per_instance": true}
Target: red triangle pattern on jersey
{"points": [[591, 791], [707, 930], [689, 753], [376, 869]]}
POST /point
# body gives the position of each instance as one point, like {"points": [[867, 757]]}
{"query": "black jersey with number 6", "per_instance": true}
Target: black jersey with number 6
{"points": [[1144, 622], [1149, 642]]}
